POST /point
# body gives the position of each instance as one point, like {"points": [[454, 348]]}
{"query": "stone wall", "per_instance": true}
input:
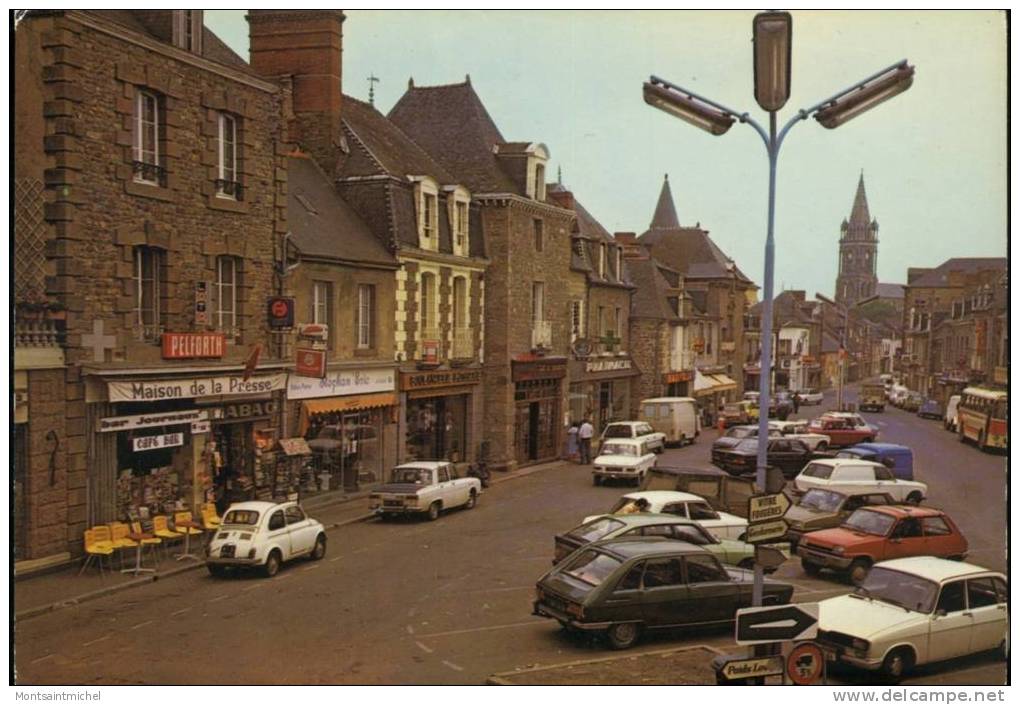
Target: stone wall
{"points": [[649, 348]]}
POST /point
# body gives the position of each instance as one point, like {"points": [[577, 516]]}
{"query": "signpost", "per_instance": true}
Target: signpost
{"points": [[753, 668], [764, 625], [765, 507], [766, 531]]}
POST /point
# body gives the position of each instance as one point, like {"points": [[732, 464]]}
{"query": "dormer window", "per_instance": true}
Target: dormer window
{"points": [[187, 30], [602, 260], [539, 182], [458, 201], [538, 155], [427, 205], [619, 264]]}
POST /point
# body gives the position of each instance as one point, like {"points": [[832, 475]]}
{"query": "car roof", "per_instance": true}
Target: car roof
{"points": [[879, 447], [646, 519], [639, 546], [665, 496], [937, 569], [423, 465], [257, 506], [839, 462], [624, 423], [631, 441], [902, 511]]}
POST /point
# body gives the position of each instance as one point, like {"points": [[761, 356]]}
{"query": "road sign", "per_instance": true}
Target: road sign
{"points": [[768, 557], [804, 664], [768, 531], [763, 625], [766, 507], [753, 668]]}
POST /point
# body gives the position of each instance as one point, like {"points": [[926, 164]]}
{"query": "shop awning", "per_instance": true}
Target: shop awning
{"points": [[344, 403], [710, 384]]}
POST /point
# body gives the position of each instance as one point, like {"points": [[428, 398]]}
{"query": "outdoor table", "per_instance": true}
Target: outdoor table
{"points": [[137, 538], [187, 539]]}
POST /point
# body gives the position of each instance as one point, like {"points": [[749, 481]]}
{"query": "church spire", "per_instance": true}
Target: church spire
{"points": [[665, 212], [859, 213]]}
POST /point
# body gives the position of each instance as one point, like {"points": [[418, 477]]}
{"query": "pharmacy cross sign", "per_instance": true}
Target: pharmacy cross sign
{"points": [[98, 342]]}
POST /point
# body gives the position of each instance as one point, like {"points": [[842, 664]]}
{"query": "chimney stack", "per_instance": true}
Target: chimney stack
{"points": [[306, 45], [562, 198]]}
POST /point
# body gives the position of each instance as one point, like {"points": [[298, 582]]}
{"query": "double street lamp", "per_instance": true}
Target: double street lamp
{"points": [[772, 32]]}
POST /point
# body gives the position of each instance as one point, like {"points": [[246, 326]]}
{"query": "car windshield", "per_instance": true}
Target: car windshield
{"points": [[749, 445], [245, 517], [822, 500], [618, 431], [619, 449], [413, 476], [817, 470], [742, 432], [908, 591], [592, 567], [869, 522], [595, 530]]}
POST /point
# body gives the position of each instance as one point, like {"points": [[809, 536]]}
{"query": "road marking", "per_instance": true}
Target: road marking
{"points": [[423, 647], [96, 641], [180, 612], [221, 597], [482, 629], [42, 658], [453, 665], [334, 560], [142, 624], [310, 567], [410, 629]]}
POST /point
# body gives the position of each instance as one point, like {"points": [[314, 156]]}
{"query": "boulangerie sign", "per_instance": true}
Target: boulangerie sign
{"points": [[194, 387]]}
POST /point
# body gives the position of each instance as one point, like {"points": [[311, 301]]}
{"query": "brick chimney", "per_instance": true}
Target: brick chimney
{"points": [[562, 198], [307, 46]]}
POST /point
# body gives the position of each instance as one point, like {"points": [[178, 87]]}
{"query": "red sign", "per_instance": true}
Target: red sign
{"points": [[310, 363], [281, 312], [430, 351], [674, 377], [178, 346], [804, 664]]}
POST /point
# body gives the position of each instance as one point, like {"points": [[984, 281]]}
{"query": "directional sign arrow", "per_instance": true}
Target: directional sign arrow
{"points": [[766, 507], [761, 625]]}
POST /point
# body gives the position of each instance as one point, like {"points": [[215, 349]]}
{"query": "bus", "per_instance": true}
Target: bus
{"points": [[981, 417]]}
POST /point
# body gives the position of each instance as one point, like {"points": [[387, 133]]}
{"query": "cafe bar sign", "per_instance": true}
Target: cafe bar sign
{"points": [[189, 388], [180, 346], [167, 440]]}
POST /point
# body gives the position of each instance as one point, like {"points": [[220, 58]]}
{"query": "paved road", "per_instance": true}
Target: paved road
{"points": [[435, 603]]}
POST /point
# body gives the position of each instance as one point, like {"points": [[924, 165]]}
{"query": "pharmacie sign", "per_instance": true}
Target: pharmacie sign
{"points": [[194, 387], [606, 365], [341, 382], [167, 440]]}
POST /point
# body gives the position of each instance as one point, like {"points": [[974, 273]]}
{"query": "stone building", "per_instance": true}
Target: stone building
{"points": [[858, 252], [150, 187], [528, 242]]}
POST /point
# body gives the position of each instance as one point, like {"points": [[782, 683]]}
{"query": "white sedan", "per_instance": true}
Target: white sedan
{"points": [[810, 397], [264, 535], [855, 476], [623, 458], [799, 430], [682, 504], [636, 430], [914, 611]]}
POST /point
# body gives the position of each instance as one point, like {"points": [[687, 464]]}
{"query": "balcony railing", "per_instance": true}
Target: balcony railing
{"points": [[148, 334], [37, 334], [541, 334], [463, 343]]}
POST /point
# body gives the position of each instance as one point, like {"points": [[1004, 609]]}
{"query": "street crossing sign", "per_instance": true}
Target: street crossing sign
{"points": [[764, 625], [766, 507], [753, 668], [767, 531]]}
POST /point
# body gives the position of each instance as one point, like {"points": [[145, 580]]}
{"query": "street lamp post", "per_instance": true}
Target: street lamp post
{"points": [[772, 32]]}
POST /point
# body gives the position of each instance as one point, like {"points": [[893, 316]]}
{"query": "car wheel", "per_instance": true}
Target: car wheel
{"points": [[914, 498], [217, 571], [623, 635], [272, 565], [823, 446], [472, 500], [434, 509], [319, 551], [858, 571], [896, 663], [811, 569], [683, 441]]}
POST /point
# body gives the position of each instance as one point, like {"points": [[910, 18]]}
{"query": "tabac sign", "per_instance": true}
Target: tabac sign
{"points": [[192, 387]]}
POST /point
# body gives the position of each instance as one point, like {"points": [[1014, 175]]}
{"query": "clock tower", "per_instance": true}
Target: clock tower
{"points": [[858, 252]]}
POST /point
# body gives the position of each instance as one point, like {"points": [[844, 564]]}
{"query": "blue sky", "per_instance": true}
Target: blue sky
{"points": [[934, 158]]}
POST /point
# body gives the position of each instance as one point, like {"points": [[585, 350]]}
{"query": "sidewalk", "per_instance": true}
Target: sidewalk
{"points": [[50, 591]]}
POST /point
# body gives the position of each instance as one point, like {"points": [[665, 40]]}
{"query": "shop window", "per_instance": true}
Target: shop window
{"points": [[366, 316], [149, 283], [437, 428], [228, 274], [149, 116], [228, 182], [322, 307], [348, 452], [428, 305]]}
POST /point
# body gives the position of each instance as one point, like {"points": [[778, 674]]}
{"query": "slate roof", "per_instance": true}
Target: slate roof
{"points": [[940, 275], [651, 298], [889, 291], [451, 123], [665, 211], [322, 224]]}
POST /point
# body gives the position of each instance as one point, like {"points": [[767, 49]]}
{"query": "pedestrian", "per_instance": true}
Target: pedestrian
{"points": [[572, 441], [584, 434], [796, 402]]}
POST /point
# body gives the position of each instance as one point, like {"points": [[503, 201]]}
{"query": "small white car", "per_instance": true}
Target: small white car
{"points": [[682, 504], [635, 430], [913, 611], [264, 535], [799, 430], [810, 397], [425, 487], [856, 476], [950, 417], [623, 458]]}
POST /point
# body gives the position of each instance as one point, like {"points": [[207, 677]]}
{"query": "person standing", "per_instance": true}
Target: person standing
{"points": [[572, 446], [584, 434]]}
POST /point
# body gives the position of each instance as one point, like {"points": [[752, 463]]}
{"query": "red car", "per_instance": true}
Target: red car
{"points": [[881, 533], [843, 430]]}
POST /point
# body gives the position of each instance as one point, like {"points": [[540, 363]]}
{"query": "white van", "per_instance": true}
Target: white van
{"points": [[677, 417], [949, 421]]}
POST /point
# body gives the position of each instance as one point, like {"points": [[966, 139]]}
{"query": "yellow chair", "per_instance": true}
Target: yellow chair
{"points": [[161, 528], [210, 519], [184, 516], [153, 543], [95, 548], [119, 538]]}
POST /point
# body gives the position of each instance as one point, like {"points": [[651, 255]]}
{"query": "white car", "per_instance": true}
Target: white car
{"points": [[810, 397], [949, 419], [855, 476], [682, 504], [636, 430], [425, 487], [264, 535], [623, 458], [913, 611], [799, 430]]}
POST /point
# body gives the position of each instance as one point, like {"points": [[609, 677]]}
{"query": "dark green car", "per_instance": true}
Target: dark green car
{"points": [[623, 586]]}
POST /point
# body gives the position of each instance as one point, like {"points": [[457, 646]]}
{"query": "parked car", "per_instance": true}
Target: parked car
{"points": [[264, 535], [722, 492], [842, 430], [897, 394], [914, 611], [425, 487], [688, 506], [949, 420], [636, 430], [811, 397], [912, 402], [622, 587], [827, 509], [873, 534], [676, 417], [852, 475], [872, 397], [899, 459], [930, 409], [789, 455], [736, 413], [622, 459], [735, 435], [752, 396], [799, 429], [611, 526]]}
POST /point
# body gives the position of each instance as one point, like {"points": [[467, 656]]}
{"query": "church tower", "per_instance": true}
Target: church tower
{"points": [[858, 252]]}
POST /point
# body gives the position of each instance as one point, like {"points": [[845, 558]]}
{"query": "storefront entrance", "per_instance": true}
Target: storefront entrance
{"points": [[535, 428], [347, 447], [437, 428]]}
